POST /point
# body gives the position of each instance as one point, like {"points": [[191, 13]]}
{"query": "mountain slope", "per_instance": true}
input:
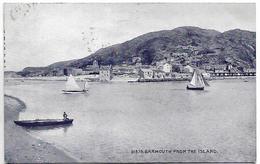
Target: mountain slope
{"points": [[150, 46], [235, 46], [211, 47]]}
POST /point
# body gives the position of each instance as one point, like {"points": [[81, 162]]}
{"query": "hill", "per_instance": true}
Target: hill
{"points": [[206, 47]]}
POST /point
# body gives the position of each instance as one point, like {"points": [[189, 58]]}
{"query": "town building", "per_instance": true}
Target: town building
{"points": [[77, 71], [120, 70], [95, 64], [220, 67], [68, 71], [249, 70], [181, 76], [167, 68], [206, 75], [136, 59], [220, 71], [229, 67], [138, 65], [91, 69], [159, 64], [177, 67], [158, 74], [105, 73], [207, 67], [188, 69], [146, 73]]}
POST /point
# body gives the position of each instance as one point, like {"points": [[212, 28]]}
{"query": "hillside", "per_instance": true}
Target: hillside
{"points": [[235, 46], [211, 47]]}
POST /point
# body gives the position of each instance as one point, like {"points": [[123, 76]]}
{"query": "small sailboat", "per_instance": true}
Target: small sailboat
{"points": [[72, 86], [197, 82]]}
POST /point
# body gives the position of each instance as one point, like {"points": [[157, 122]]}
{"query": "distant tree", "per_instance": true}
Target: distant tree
{"points": [[110, 61], [176, 68], [147, 56], [23, 73], [193, 43]]}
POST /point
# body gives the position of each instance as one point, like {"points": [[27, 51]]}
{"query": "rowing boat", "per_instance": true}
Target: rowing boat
{"points": [[43, 122]]}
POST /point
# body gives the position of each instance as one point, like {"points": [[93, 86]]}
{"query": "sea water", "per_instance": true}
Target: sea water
{"points": [[138, 122]]}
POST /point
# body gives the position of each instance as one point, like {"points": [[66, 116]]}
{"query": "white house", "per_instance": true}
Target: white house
{"points": [[188, 69], [95, 64], [206, 75], [167, 68]]}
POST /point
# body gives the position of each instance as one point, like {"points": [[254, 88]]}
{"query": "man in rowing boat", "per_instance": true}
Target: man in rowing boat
{"points": [[65, 116]]}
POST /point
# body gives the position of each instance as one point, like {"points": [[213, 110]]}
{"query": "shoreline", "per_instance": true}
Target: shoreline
{"points": [[79, 78], [21, 147]]}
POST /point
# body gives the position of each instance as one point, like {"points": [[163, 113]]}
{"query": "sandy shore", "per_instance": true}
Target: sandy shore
{"points": [[20, 147]]}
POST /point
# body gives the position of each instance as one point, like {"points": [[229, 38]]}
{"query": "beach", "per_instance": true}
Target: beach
{"points": [[20, 147]]}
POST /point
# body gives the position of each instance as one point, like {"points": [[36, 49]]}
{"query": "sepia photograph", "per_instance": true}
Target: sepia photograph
{"points": [[129, 82]]}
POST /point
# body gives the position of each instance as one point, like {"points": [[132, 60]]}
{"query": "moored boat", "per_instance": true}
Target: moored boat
{"points": [[197, 82], [71, 86], [43, 122], [192, 87]]}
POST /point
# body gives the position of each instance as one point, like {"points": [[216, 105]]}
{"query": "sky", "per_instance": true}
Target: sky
{"points": [[41, 34]]}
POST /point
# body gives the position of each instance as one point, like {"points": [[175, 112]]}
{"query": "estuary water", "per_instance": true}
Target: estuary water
{"points": [[118, 121]]}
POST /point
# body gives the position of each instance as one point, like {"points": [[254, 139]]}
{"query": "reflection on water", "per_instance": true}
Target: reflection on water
{"points": [[64, 127], [113, 119]]}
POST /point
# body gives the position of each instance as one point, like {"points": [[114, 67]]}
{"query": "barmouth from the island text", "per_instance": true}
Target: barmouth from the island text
{"points": [[174, 151]]}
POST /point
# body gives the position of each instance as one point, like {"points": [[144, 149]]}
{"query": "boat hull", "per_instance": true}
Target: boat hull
{"points": [[43, 122], [81, 91], [189, 87]]}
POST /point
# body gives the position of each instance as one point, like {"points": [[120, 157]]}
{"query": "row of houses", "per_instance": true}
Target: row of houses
{"points": [[159, 74], [164, 65], [164, 69], [106, 72]]}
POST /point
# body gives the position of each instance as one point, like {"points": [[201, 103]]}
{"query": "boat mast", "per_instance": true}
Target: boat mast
{"points": [[86, 86]]}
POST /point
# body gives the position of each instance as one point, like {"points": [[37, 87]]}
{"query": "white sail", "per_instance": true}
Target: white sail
{"points": [[193, 80], [86, 86], [204, 80], [201, 81], [71, 84], [197, 79]]}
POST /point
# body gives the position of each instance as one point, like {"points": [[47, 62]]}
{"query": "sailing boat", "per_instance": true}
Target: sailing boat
{"points": [[197, 82], [71, 86]]}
